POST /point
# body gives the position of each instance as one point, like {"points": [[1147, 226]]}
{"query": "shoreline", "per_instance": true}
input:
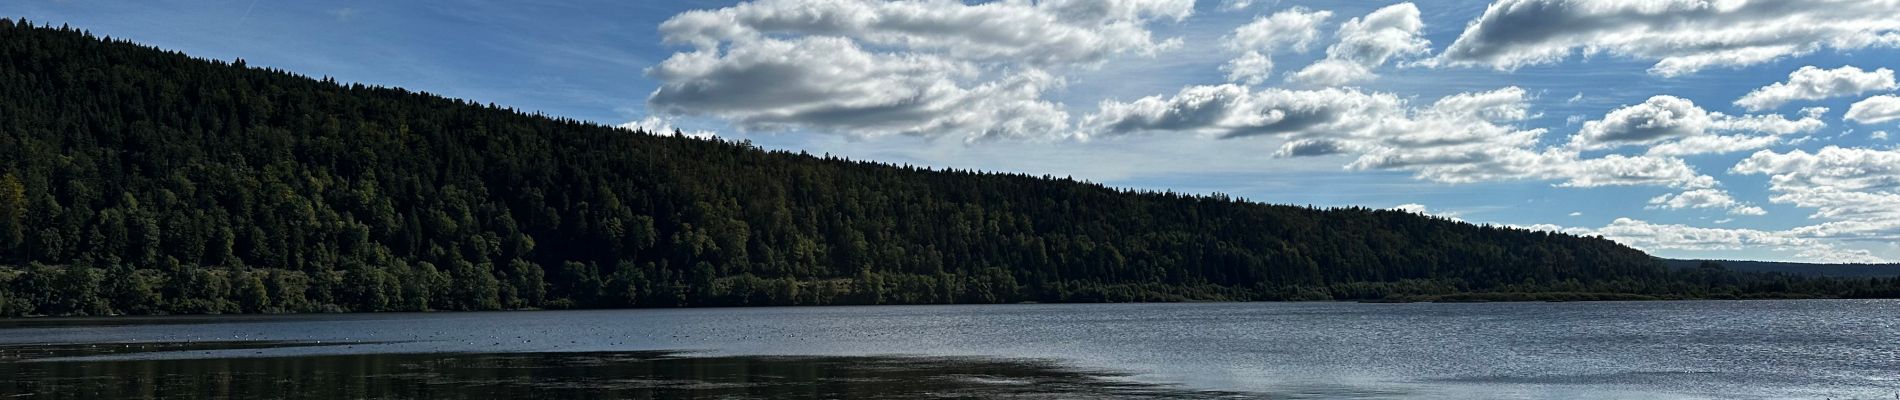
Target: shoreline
{"points": [[1480, 298]]}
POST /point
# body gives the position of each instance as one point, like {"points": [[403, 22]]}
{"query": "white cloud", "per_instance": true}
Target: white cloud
{"points": [[1705, 198], [1420, 209], [1878, 135], [1659, 118], [1699, 198], [1645, 235], [1366, 43], [655, 125], [869, 68], [1467, 137], [1856, 190], [1772, 124], [1712, 144], [1619, 170], [1293, 29], [1055, 32], [1811, 83], [1115, 10], [1676, 126], [1576, 213], [1236, 111], [1235, 5], [1328, 73], [831, 84], [1682, 36], [1380, 35], [1875, 110], [1251, 68], [1652, 237]]}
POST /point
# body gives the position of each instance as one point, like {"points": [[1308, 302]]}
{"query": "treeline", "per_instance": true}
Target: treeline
{"points": [[1794, 268], [135, 180]]}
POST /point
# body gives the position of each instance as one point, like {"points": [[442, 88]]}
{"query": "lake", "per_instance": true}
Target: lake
{"points": [[1819, 349]]}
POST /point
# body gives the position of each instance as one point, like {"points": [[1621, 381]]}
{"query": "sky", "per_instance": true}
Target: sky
{"points": [[1727, 129]]}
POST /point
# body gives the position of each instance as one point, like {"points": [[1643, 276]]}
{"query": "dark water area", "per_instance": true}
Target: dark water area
{"points": [[620, 375], [1820, 349]]}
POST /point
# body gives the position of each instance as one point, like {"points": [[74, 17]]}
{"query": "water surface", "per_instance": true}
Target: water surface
{"points": [[1703, 349]]}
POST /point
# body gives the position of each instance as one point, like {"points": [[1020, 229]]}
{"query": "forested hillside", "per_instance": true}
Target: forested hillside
{"points": [[135, 180]]}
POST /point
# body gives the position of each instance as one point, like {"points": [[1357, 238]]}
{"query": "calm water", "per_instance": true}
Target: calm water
{"points": [[1708, 349]]}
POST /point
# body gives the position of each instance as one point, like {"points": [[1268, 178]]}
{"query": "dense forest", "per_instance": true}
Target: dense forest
{"points": [[140, 181]]}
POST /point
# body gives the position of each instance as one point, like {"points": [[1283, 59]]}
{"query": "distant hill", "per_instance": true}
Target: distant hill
{"points": [[1804, 269], [136, 180]]}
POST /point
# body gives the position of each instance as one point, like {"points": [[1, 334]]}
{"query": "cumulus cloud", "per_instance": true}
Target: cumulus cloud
{"points": [[1676, 126], [828, 83], [1296, 28], [1466, 137], [1874, 110], [1366, 43], [1682, 36], [1699, 198], [1053, 32], [1293, 29], [1811, 83], [868, 68], [1251, 68], [1856, 190], [1229, 111], [1659, 118], [1619, 170], [1705, 198], [1380, 35]]}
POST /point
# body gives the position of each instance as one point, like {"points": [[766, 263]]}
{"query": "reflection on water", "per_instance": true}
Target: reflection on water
{"points": [[616, 375], [46, 352], [1824, 349]]}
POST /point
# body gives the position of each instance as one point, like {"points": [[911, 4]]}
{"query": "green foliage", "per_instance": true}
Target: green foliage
{"points": [[12, 212], [134, 180]]}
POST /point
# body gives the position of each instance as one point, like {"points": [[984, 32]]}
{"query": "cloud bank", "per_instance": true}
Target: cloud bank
{"points": [[872, 68], [987, 71], [1681, 36]]}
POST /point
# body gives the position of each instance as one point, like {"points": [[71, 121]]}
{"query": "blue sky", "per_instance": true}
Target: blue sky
{"points": [[1628, 128]]}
